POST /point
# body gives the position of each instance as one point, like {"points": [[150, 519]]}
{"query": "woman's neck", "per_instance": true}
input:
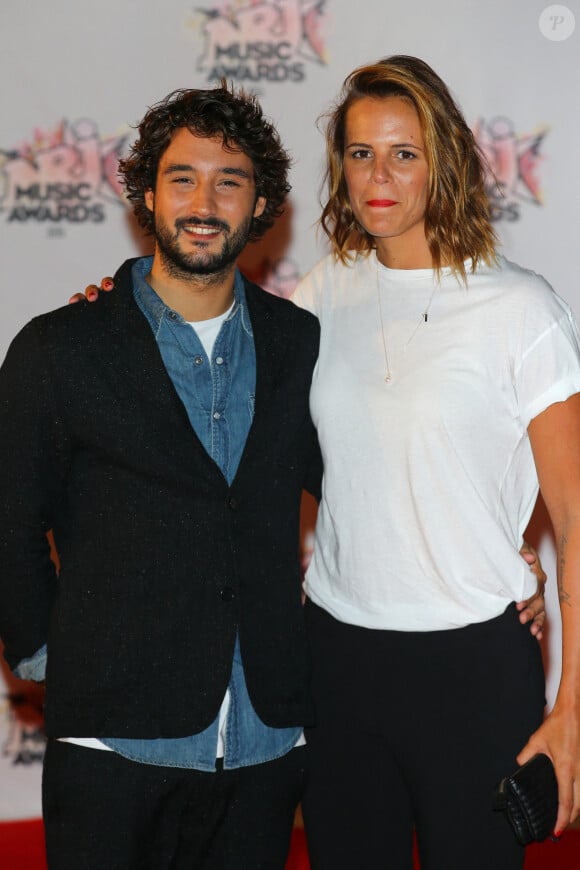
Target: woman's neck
{"points": [[404, 252]]}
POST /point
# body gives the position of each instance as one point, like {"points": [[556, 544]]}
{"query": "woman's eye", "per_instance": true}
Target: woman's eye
{"points": [[360, 154]]}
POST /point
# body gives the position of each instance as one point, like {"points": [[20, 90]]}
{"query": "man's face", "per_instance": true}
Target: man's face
{"points": [[203, 204]]}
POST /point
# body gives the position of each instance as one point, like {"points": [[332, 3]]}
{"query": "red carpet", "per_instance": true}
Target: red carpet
{"points": [[22, 845], [22, 848], [564, 855]]}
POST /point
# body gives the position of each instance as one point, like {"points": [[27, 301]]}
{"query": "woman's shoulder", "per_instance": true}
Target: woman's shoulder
{"points": [[328, 277], [516, 278], [526, 299], [518, 286]]}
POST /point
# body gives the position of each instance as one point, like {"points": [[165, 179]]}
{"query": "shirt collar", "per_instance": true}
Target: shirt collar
{"points": [[155, 309]]}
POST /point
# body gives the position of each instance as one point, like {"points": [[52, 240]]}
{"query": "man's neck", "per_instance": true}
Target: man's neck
{"points": [[195, 297]]}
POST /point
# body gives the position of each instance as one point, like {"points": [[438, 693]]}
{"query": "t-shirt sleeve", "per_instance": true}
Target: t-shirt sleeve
{"points": [[548, 370], [308, 292], [302, 295]]}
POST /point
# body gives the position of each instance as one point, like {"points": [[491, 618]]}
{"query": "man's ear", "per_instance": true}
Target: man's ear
{"points": [[259, 207], [149, 199]]}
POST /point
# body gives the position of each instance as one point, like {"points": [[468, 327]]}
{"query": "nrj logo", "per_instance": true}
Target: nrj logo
{"points": [[259, 41], [65, 175], [514, 162]]}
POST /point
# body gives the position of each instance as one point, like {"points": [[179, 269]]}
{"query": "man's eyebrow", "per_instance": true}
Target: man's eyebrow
{"points": [[235, 170], [226, 170], [177, 167]]}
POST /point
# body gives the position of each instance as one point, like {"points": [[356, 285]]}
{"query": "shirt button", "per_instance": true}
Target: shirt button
{"points": [[198, 360], [216, 415], [172, 315], [219, 361], [227, 593]]}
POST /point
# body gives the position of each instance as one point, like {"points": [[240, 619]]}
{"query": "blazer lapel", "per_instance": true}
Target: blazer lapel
{"points": [[271, 345], [136, 354], [136, 359]]}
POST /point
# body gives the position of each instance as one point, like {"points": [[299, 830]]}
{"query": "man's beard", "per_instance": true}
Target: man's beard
{"points": [[180, 264]]}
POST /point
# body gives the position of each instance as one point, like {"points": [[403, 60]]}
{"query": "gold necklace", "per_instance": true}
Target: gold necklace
{"points": [[422, 319]]}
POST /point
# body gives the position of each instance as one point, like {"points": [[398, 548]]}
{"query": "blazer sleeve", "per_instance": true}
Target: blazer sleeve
{"points": [[32, 443], [313, 478]]}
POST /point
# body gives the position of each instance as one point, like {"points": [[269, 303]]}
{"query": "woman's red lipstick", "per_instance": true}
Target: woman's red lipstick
{"points": [[381, 203]]}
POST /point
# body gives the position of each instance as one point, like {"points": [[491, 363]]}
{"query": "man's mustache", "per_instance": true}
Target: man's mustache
{"points": [[205, 222]]}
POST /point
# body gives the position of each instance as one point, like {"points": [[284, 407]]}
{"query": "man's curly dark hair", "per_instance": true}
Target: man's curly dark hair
{"points": [[222, 111]]}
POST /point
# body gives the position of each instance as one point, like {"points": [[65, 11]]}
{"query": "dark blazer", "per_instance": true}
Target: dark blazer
{"points": [[161, 562]]}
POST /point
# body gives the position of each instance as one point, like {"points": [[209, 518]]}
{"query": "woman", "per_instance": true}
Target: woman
{"points": [[447, 385]]}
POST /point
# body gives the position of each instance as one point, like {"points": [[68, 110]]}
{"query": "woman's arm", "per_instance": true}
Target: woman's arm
{"points": [[555, 439]]}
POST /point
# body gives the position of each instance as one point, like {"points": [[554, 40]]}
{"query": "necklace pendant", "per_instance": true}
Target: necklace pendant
{"points": [[387, 377]]}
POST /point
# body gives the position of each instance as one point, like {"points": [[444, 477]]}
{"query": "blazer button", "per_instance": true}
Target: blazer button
{"points": [[227, 593], [233, 503]]}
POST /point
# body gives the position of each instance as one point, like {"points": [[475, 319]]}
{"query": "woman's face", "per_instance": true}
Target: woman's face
{"points": [[386, 173]]}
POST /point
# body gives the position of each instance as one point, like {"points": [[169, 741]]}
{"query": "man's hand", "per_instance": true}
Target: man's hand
{"points": [[91, 293], [534, 608]]}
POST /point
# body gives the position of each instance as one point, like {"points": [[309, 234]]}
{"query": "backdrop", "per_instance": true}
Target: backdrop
{"points": [[77, 75]]}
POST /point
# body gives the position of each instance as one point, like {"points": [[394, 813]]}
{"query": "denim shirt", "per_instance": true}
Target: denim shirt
{"points": [[218, 395]]}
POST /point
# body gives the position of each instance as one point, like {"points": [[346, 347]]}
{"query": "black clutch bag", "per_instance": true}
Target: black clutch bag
{"points": [[529, 797]]}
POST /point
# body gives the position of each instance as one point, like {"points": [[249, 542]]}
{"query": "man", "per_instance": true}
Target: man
{"points": [[164, 436]]}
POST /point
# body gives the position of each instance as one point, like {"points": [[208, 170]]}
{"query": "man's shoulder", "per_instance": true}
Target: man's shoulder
{"points": [[81, 321]]}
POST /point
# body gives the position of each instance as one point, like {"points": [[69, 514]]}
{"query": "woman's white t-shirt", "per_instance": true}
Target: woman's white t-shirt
{"points": [[429, 479]]}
